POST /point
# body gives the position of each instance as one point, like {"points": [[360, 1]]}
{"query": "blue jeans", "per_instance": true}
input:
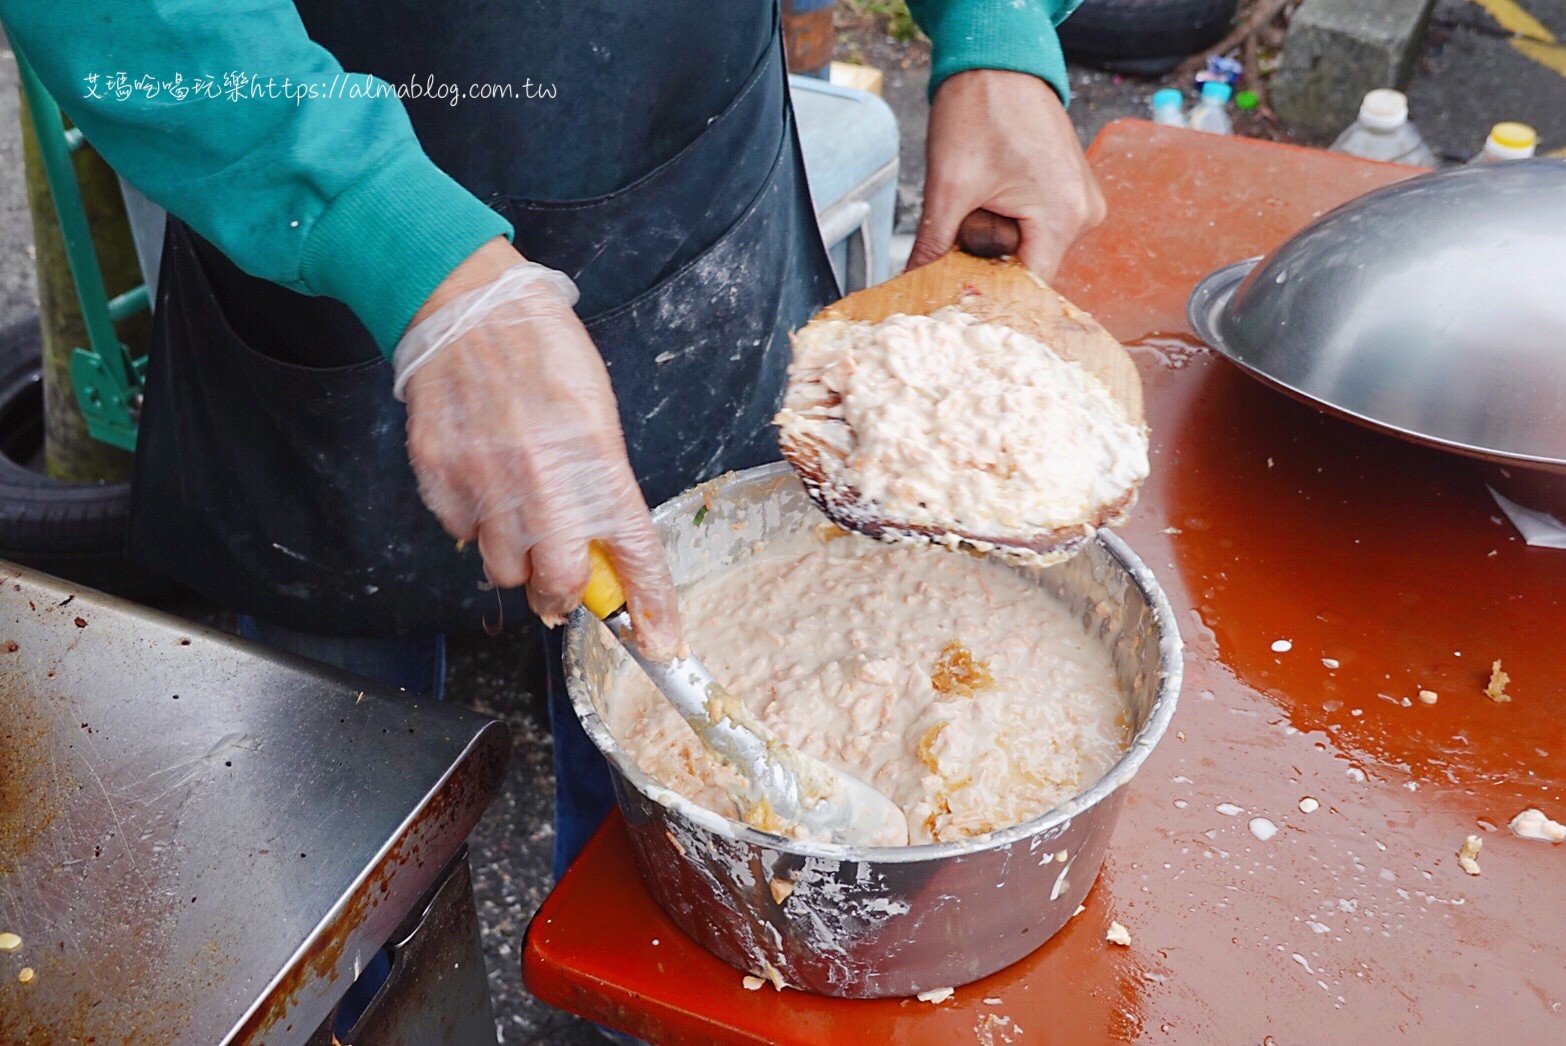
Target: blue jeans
{"points": [[583, 794]]}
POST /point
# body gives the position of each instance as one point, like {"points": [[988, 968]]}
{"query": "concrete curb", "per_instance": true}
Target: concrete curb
{"points": [[1336, 50]]}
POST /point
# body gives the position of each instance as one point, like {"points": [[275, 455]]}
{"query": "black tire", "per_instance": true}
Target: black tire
{"points": [[1140, 35], [72, 530]]}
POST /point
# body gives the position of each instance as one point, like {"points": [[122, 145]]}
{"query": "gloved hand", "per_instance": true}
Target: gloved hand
{"points": [[515, 439]]}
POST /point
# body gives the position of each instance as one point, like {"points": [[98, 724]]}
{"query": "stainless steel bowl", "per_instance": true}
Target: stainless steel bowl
{"points": [[1434, 309], [869, 922]]}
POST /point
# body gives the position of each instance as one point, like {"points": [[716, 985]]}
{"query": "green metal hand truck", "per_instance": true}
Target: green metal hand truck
{"points": [[107, 380]]}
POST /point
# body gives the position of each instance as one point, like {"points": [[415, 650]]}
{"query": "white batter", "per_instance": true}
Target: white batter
{"points": [[955, 686], [962, 425]]}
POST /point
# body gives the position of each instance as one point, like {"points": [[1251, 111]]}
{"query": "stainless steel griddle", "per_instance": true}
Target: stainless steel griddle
{"points": [[203, 841]]}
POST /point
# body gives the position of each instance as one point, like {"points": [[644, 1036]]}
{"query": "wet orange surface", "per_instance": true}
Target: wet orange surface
{"points": [[1266, 522]]}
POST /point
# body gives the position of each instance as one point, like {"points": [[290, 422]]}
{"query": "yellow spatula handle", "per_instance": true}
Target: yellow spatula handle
{"points": [[603, 595]]}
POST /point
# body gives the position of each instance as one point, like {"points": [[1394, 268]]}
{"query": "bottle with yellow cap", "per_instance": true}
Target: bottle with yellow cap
{"points": [[1508, 141]]}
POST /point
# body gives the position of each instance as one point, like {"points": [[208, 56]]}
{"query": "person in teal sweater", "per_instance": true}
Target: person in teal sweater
{"points": [[530, 311]]}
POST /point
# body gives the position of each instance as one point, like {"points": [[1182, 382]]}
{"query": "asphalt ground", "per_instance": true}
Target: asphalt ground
{"points": [[1474, 73]]}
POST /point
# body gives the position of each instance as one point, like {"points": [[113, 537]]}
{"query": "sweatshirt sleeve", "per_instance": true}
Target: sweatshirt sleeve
{"points": [[995, 34], [226, 114]]}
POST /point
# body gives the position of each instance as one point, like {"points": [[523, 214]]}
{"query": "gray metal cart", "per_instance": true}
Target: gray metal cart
{"points": [[205, 841]]}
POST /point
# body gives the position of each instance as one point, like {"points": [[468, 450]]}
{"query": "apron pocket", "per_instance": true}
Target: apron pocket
{"points": [[294, 474]]}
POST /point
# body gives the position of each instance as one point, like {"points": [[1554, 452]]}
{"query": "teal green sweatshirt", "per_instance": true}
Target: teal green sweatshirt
{"points": [[335, 197]]}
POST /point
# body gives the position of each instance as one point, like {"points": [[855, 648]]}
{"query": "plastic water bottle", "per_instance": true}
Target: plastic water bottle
{"points": [[1169, 107], [1383, 131], [1211, 112], [1508, 141]]}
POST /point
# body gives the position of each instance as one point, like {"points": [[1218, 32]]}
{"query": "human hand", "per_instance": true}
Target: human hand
{"points": [[1001, 141], [514, 436]]}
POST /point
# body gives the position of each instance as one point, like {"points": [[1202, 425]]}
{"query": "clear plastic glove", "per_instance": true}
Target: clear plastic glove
{"points": [[515, 439]]}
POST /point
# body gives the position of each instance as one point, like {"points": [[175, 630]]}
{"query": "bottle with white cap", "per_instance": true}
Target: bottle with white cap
{"points": [[1384, 132], [1508, 141], [1169, 107], [1211, 111]]}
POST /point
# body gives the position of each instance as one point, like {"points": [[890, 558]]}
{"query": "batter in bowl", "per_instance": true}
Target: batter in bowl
{"points": [[955, 685]]}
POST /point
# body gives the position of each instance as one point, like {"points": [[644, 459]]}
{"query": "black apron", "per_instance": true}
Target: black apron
{"points": [[665, 177]]}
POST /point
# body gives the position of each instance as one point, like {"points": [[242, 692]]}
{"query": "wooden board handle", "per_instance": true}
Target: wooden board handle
{"points": [[985, 234]]}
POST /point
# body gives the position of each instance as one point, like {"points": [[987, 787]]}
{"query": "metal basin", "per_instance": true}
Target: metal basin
{"points": [[869, 922], [1433, 309]]}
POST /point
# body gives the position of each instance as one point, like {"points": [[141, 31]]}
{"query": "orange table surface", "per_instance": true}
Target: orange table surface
{"points": [[1265, 521]]}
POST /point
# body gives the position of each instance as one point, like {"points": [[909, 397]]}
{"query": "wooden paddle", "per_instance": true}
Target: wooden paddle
{"points": [[983, 280]]}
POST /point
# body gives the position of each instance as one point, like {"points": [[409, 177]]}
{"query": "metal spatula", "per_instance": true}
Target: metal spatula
{"points": [[993, 289], [783, 786]]}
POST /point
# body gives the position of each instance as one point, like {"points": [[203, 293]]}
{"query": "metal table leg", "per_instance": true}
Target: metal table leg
{"points": [[437, 991]]}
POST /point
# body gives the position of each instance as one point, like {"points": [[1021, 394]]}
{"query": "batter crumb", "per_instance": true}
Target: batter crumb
{"points": [[958, 673], [1496, 690], [782, 889], [752, 983], [936, 996], [925, 749], [829, 531], [761, 816], [992, 1029], [1430, 697], [1468, 855], [1534, 824], [1118, 934]]}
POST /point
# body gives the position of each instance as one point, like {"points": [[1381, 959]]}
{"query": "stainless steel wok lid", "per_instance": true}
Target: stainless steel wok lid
{"points": [[1434, 309]]}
